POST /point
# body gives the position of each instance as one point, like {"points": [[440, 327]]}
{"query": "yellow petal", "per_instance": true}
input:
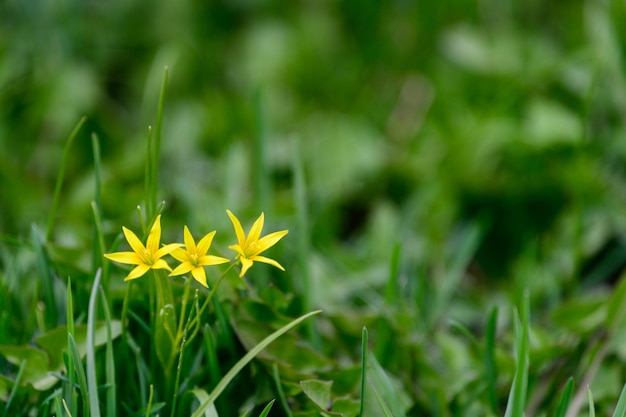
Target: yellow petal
{"points": [[267, 261], [245, 265], [155, 236], [205, 243], [133, 241], [180, 255], [241, 237], [137, 272], [237, 248], [200, 276], [270, 240], [207, 260], [161, 264], [189, 242], [166, 250], [125, 258], [182, 269], [255, 230]]}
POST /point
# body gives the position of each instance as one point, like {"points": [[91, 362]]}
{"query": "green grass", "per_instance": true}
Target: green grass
{"points": [[451, 176]]}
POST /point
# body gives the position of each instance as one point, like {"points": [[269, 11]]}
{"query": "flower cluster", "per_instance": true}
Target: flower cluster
{"points": [[193, 257]]}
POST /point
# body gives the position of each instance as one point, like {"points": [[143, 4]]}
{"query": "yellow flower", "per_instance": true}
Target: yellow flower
{"points": [[194, 258], [145, 257], [250, 247]]}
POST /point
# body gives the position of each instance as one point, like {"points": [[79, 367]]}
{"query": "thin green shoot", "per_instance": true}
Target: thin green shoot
{"points": [[279, 389], [92, 382], [18, 378], [364, 350], [59, 184], [111, 395]]}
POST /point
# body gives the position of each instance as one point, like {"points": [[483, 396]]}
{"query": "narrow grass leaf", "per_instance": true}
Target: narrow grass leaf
{"points": [[92, 382], [202, 396], [303, 238], [59, 184], [80, 374], [364, 350], [111, 399], [592, 407], [384, 340], [70, 363], [18, 378], [491, 368], [44, 269], [387, 394], [267, 409], [561, 409], [232, 373], [620, 408], [517, 395], [279, 389]]}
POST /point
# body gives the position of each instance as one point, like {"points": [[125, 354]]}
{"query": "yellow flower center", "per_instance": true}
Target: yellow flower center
{"points": [[147, 257], [252, 248], [193, 259]]}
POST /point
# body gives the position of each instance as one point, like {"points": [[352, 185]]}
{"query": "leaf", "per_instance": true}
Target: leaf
{"points": [[319, 392], [620, 408]]}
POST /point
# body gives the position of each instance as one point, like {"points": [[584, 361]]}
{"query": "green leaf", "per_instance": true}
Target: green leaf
{"points": [[267, 409], [565, 398], [318, 392], [202, 396], [620, 408], [517, 396]]}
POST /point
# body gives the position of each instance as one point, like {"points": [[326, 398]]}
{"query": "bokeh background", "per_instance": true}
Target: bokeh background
{"points": [[487, 131]]}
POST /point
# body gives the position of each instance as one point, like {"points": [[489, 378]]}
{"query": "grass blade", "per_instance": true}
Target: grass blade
{"points": [[59, 184], [364, 349], [92, 383], [279, 389], [620, 408], [111, 401], [267, 409], [561, 409], [592, 408], [241, 363], [491, 369], [517, 395], [18, 377], [80, 373], [70, 331]]}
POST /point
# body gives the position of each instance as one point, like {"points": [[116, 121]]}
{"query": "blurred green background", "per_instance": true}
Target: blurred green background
{"points": [[417, 122], [414, 118]]}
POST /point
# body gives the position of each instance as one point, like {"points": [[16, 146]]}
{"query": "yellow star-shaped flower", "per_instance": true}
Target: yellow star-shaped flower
{"points": [[145, 257], [249, 248], [194, 258]]}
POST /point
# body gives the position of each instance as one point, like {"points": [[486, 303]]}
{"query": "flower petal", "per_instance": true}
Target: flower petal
{"points": [[200, 276], [205, 243], [270, 240], [208, 260], [124, 257], [183, 268], [189, 242], [245, 265], [255, 230], [237, 248], [137, 272], [268, 261], [133, 241], [166, 250], [155, 235], [161, 264], [180, 255], [241, 237]]}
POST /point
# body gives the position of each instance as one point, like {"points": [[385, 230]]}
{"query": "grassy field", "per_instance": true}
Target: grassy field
{"points": [[317, 208]]}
